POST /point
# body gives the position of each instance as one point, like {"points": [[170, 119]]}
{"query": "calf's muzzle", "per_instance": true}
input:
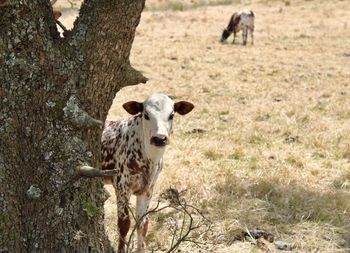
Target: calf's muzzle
{"points": [[159, 140]]}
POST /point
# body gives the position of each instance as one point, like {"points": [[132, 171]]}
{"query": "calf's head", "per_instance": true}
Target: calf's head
{"points": [[157, 117]]}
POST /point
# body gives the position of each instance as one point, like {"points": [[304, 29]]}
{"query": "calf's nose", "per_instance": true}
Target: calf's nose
{"points": [[159, 140]]}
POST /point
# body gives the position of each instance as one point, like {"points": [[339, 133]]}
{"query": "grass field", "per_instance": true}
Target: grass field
{"points": [[274, 152]]}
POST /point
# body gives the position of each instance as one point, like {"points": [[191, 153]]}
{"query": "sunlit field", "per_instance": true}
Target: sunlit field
{"points": [[268, 143]]}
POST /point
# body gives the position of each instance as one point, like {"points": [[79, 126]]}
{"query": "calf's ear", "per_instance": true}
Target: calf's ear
{"points": [[183, 107], [133, 107]]}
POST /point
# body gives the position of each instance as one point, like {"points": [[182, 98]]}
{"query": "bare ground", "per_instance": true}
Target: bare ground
{"points": [[275, 151]]}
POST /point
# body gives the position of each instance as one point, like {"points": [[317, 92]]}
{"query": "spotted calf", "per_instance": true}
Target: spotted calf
{"points": [[243, 20], [135, 147]]}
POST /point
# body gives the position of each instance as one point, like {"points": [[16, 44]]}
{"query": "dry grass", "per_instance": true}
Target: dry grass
{"points": [[276, 150], [181, 5]]}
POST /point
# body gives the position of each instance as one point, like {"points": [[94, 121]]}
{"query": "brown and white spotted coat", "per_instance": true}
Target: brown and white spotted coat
{"points": [[243, 20], [135, 147]]}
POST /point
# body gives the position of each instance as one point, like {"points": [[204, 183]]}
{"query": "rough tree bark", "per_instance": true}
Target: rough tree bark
{"points": [[54, 94]]}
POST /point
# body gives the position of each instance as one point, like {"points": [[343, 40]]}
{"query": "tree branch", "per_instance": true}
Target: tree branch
{"points": [[133, 76], [181, 232], [88, 171], [77, 116]]}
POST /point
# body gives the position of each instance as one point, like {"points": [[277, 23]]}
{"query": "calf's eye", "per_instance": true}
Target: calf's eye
{"points": [[146, 116], [171, 116]]}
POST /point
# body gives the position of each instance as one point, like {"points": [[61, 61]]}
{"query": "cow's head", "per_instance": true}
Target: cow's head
{"points": [[224, 35], [157, 117]]}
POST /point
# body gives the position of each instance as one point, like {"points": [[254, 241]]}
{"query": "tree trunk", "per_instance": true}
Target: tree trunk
{"points": [[54, 95]]}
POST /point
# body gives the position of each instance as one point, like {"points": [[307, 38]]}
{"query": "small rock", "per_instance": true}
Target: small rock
{"points": [[283, 245], [292, 138], [258, 233], [197, 131]]}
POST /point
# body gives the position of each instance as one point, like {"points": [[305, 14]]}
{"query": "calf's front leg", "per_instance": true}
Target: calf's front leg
{"points": [[142, 204], [123, 220]]}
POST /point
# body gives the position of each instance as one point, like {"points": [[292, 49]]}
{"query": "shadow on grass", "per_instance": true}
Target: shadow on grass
{"points": [[261, 203]]}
